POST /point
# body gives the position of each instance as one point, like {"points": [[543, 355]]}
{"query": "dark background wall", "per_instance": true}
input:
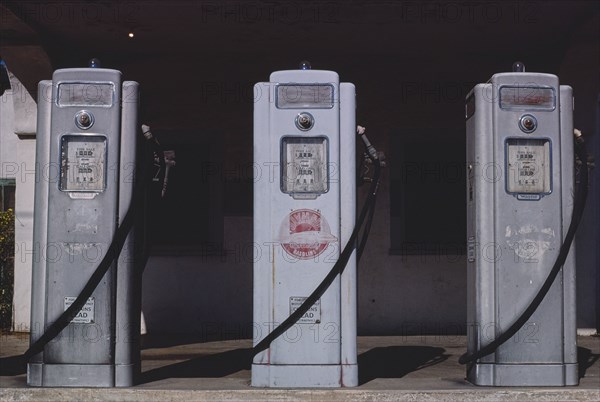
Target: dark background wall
{"points": [[412, 64]]}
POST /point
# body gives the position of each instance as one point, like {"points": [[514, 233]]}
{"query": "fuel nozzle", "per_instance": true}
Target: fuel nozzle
{"points": [[169, 163], [371, 156], [161, 158], [580, 143], [360, 130]]}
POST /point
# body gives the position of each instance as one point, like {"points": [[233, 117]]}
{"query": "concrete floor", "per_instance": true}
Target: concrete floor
{"points": [[411, 368]]}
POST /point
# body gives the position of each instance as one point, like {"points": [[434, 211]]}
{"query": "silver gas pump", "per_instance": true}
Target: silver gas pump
{"points": [[304, 214], [521, 219], [86, 158]]}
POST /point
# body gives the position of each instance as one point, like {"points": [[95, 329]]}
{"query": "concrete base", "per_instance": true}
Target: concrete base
{"points": [[80, 375], [304, 376], [524, 375]]}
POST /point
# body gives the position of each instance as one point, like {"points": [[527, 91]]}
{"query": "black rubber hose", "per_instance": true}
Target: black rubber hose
{"points": [[337, 269], [363, 242], [578, 207]]}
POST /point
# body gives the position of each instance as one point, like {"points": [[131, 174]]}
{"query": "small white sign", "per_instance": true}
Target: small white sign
{"points": [[312, 316], [86, 314]]}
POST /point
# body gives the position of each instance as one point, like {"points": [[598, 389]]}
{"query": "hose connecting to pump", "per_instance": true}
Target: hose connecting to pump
{"points": [[161, 158], [113, 252], [340, 265], [578, 207], [371, 156]]}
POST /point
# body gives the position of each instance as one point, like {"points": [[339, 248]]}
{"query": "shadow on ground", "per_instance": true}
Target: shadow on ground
{"points": [[397, 361], [210, 366], [13, 365], [383, 362], [162, 340], [586, 359], [151, 341]]}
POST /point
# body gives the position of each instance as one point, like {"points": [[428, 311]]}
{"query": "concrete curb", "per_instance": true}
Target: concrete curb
{"points": [[137, 394]]}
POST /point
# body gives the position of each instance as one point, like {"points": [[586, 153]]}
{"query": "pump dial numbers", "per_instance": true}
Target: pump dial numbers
{"points": [[82, 166], [528, 166], [304, 166]]}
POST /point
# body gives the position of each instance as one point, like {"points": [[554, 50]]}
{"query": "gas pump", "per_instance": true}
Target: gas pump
{"points": [[85, 308], [304, 214], [523, 208]]}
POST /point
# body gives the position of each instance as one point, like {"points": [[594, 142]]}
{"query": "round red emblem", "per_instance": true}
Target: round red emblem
{"points": [[305, 234]]}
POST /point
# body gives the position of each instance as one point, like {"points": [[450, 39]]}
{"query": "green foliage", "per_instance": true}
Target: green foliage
{"points": [[7, 251]]}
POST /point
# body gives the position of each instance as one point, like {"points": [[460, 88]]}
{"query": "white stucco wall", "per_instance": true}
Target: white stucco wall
{"points": [[8, 139], [24, 234], [18, 113]]}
